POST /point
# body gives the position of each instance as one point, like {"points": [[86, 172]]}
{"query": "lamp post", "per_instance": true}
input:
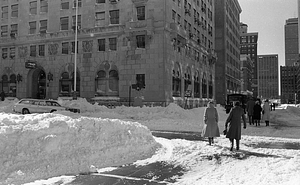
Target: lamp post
{"points": [[75, 54]]}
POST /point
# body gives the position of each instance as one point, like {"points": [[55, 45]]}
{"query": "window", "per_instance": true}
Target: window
{"points": [[33, 51], [33, 7], [140, 80], [66, 84], [43, 26], [4, 12], [65, 48], [4, 31], [140, 41], [74, 22], [14, 10], [100, 1], [65, 5], [32, 27], [101, 44], [14, 29], [79, 3], [113, 44], [12, 52], [140, 11], [73, 47], [178, 19], [114, 16], [4, 53], [107, 83], [174, 15], [64, 23], [44, 6], [100, 18], [42, 50]]}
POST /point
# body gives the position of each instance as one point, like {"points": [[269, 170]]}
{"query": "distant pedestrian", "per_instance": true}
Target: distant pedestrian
{"points": [[266, 112], [249, 109], [257, 113], [234, 121], [211, 118], [2, 94]]}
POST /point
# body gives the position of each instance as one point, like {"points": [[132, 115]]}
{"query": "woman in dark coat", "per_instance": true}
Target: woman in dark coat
{"points": [[257, 113], [234, 131]]}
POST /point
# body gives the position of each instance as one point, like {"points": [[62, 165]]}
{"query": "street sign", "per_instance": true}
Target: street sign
{"points": [[30, 64]]}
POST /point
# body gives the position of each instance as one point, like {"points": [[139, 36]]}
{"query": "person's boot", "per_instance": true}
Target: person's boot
{"points": [[231, 141], [268, 123], [237, 144], [255, 123], [209, 141], [212, 140]]}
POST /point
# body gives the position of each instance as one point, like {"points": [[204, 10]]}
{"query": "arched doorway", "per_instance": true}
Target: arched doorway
{"points": [[36, 86]]}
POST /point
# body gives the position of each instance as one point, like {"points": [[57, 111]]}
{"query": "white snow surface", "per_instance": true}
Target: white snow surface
{"points": [[42, 149]]}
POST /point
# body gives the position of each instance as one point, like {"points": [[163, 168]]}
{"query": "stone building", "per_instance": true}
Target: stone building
{"points": [[228, 66], [268, 82], [158, 51]]}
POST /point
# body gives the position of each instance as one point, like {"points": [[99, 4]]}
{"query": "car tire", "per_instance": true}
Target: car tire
{"points": [[25, 111], [52, 111]]}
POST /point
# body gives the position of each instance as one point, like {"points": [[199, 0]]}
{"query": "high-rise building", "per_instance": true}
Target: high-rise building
{"points": [[291, 42], [158, 51], [228, 66], [268, 86], [289, 76], [247, 72], [249, 47]]}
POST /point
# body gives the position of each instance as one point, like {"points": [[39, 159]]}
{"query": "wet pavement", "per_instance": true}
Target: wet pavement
{"points": [[161, 172], [152, 174], [277, 145]]}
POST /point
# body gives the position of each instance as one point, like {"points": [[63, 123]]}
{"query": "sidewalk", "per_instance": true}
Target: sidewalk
{"points": [[151, 174]]}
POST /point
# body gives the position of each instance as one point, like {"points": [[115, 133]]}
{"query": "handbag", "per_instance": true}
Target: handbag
{"points": [[225, 131], [263, 112]]}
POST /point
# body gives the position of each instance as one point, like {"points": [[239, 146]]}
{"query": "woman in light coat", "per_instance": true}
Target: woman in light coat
{"points": [[234, 121], [211, 118], [266, 109]]}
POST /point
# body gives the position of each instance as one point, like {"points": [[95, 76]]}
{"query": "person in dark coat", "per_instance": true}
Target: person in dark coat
{"points": [[249, 109], [211, 118], [234, 121], [257, 113]]}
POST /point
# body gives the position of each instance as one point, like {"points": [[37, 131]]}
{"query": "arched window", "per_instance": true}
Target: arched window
{"points": [[67, 84], [204, 86], [107, 83], [176, 81], [210, 87], [187, 82], [196, 85]]}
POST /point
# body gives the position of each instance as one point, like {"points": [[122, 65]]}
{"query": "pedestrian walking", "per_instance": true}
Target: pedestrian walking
{"points": [[266, 109], [257, 113], [211, 118], [249, 109], [234, 123]]}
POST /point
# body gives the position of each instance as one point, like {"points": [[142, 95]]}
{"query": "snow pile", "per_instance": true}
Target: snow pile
{"points": [[45, 145]]}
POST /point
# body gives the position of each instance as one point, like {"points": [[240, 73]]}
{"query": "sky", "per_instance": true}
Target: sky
{"points": [[41, 149], [267, 17]]}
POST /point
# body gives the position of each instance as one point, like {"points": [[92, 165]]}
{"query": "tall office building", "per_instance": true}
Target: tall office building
{"points": [[289, 76], [247, 72], [268, 76], [249, 47], [291, 42], [161, 51], [228, 66]]}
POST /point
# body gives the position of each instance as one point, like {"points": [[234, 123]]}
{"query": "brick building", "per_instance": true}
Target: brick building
{"points": [[161, 51]]}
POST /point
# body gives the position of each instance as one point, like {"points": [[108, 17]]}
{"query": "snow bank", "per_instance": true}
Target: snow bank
{"points": [[40, 146]]}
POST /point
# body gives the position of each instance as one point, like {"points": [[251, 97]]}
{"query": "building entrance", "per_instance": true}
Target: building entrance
{"points": [[36, 87]]}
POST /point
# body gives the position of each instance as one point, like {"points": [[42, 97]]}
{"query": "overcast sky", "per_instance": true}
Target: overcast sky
{"points": [[267, 17]]}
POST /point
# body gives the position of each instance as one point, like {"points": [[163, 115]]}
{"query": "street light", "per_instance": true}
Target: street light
{"points": [[75, 55]]}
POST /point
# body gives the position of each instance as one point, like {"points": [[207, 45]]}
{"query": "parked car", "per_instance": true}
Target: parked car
{"points": [[27, 106]]}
